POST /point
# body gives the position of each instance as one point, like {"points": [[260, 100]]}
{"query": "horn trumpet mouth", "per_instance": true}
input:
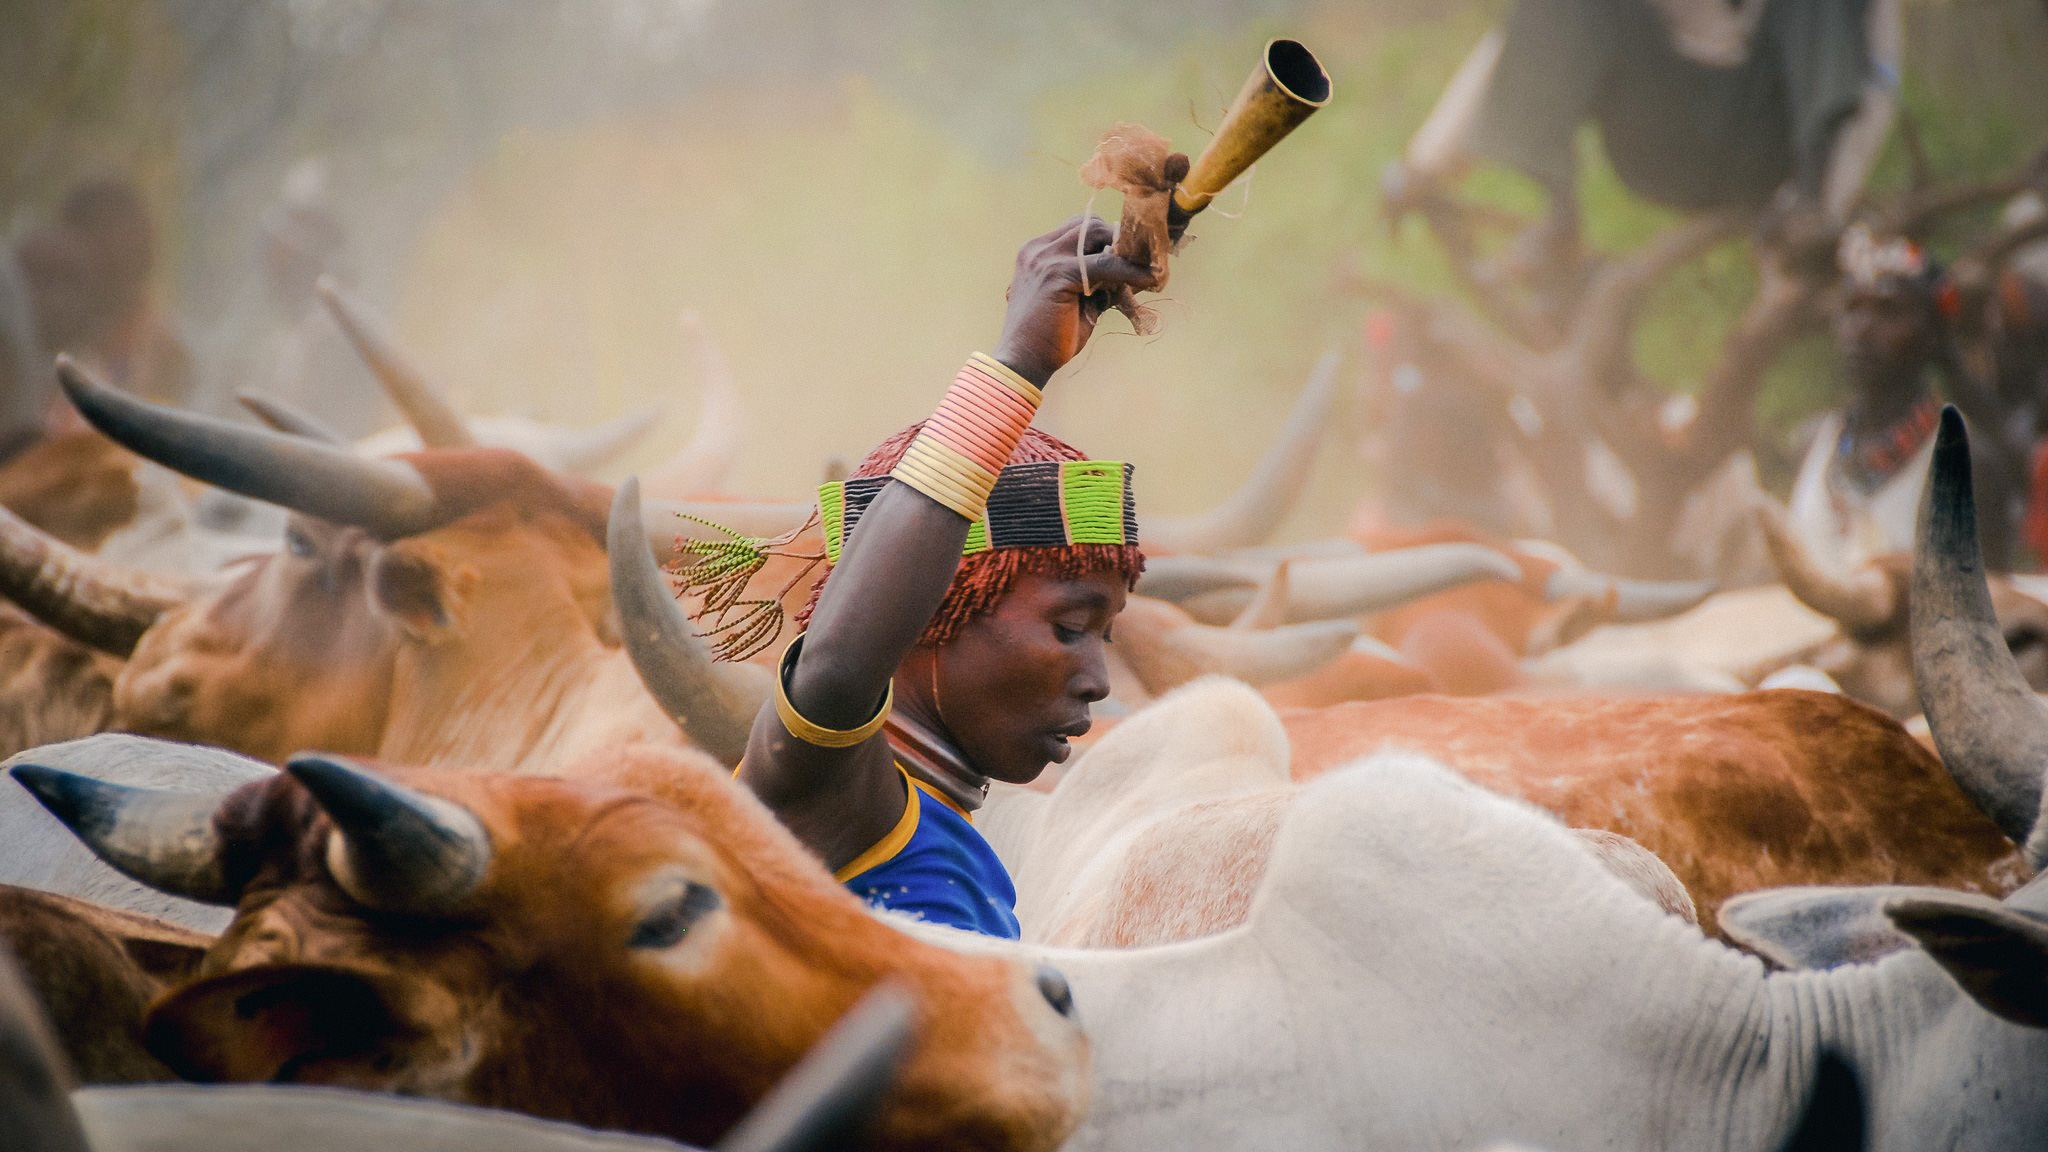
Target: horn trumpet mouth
{"points": [[1287, 87]]}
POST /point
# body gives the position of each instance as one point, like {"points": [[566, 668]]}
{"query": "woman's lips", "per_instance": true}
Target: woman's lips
{"points": [[1058, 739]]}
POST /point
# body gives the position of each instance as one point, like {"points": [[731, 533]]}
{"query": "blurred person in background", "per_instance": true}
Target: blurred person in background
{"points": [[1703, 105], [87, 280], [281, 339], [1858, 490]]}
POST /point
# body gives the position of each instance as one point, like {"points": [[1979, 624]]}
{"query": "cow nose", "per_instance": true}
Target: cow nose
{"points": [[1053, 987]]}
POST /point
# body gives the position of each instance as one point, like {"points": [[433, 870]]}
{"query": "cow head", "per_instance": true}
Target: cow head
{"points": [[643, 947], [348, 640], [438, 604]]}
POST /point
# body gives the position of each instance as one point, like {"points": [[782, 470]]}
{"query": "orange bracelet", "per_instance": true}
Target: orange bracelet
{"points": [[966, 442]]}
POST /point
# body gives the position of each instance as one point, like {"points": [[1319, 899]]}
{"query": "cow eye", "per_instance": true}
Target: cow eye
{"points": [[670, 921]]}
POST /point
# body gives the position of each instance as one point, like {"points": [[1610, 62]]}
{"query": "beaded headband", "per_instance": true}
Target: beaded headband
{"points": [[1047, 504]]}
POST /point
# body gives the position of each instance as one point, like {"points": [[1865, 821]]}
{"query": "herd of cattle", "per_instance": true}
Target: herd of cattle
{"points": [[1403, 842]]}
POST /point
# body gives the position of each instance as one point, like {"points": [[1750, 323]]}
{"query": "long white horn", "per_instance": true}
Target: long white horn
{"points": [[582, 451], [1166, 648], [1627, 601], [1863, 602], [701, 467], [1251, 513], [423, 406], [1343, 586]]}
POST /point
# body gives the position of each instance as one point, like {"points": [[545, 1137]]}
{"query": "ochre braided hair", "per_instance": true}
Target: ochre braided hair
{"points": [[984, 578]]}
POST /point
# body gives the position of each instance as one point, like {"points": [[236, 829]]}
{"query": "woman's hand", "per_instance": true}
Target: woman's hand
{"points": [[1049, 320]]}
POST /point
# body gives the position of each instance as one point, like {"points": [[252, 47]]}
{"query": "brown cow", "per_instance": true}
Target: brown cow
{"points": [[1160, 832], [51, 687], [1733, 792], [78, 486], [450, 606], [642, 947], [96, 970]]}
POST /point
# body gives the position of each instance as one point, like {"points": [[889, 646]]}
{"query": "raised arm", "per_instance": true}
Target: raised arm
{"points": [[827, 771]]}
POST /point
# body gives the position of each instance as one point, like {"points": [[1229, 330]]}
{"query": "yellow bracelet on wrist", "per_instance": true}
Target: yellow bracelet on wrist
{"points": [[817, 734]]}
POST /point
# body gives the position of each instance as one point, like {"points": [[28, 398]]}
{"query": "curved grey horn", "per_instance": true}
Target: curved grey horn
{"points": [[388, 497], [1632, 601], [162, 838], [1176, 578], [1863, 602], [88, 599], [1339, 586], [1991, 730], [422, 405], [1250, 514], [394, 849], [715, 703], [585, 450], [828, 1099], [289, 418]]}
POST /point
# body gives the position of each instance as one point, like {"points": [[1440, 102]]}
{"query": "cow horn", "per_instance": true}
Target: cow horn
{"points": [[394, 849], [701, 467], [159, 837], [1991, 730], [88, 599], [1179, 578], [832, 1095], [388, 497], [422, 405], [1166, 648], [289, 419], [1864, 602], [1341, 586], [1627, 601], [715, 703], [1250, 514], [582, 451]]}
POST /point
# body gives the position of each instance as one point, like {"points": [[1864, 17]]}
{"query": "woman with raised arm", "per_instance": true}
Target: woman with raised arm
{"points": [[976, 566]]}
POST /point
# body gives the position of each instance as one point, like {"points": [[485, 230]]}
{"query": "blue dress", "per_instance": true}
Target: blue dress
{"points": [[935, 866]]}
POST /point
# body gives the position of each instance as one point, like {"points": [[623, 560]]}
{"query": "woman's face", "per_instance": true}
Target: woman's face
{"points": [[1015, 685]]}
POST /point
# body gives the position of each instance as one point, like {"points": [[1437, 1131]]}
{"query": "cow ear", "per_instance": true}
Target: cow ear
{"points": [[412, 589], [278, 1023], [1998, 953], [1812, 928]]}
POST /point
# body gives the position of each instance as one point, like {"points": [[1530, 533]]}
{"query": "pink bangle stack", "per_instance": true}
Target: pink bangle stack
{"points": [[965, 444]]}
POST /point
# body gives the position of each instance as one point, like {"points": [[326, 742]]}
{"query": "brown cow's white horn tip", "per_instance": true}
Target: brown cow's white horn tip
{"points": [[394, 849]]}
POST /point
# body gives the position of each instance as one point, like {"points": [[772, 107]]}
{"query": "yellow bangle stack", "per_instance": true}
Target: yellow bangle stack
{"points": [[965, 444], [817, 734]]}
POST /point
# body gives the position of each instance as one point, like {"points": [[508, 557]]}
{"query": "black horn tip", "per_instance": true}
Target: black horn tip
{"points": [[352, 795], [1951, 527], [79, 802]]}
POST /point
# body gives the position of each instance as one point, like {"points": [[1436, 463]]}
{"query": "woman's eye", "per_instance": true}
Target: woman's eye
{"points": [[1067, 635], [297, 543]]}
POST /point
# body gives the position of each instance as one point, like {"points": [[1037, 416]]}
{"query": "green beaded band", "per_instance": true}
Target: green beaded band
{"points": [[1049, 504]]}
